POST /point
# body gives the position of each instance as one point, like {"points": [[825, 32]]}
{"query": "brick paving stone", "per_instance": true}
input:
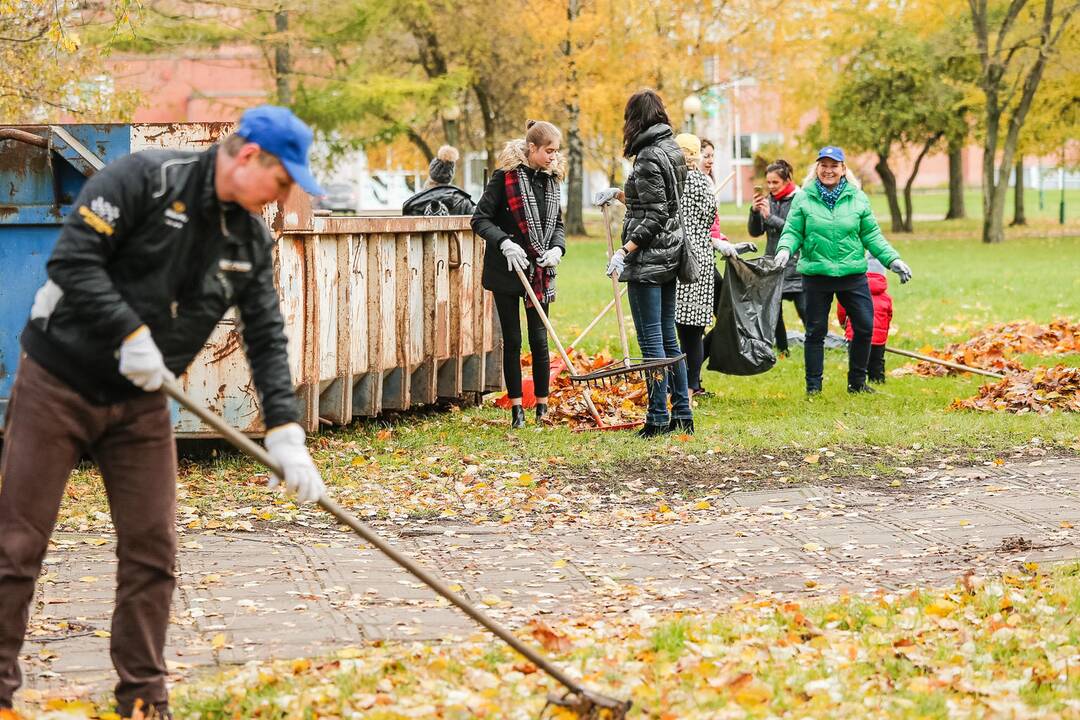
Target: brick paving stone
{"points": [[273, 595]]}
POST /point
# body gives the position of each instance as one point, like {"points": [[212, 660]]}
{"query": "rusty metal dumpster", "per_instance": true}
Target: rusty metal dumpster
{"points": [[382, 313]]}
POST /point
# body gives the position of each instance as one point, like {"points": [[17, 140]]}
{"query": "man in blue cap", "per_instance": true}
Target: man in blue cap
{"points": [[162, 243]]}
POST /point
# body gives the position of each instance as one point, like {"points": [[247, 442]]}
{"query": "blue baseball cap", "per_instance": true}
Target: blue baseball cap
{"points": [[285, 136], [832, 152]]}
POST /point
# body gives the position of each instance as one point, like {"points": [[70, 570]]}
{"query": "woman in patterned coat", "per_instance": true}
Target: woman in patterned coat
{"points": [[694, 302]]}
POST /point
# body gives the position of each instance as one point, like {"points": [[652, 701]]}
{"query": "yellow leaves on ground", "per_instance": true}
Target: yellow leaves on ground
{"points": [[989, 646]]}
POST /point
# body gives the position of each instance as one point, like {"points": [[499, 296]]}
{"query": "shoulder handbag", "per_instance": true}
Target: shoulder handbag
{"points": [[689, 270]]}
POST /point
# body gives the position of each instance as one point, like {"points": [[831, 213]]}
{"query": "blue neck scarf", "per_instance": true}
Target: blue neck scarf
{"points": [[829, 197]]}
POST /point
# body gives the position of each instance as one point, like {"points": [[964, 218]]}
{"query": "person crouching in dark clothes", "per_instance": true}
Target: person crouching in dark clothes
{"points": [[440, 197], [519, 216]]}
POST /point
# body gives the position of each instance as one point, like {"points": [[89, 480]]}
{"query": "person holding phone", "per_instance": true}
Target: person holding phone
{"points": [[768, 214]]}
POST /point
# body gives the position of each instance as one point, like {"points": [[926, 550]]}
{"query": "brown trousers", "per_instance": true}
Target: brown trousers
{"points": [[49, 427]]}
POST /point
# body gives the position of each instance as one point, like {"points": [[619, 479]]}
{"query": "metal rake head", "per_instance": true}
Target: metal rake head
{"points": [[647, 369]]}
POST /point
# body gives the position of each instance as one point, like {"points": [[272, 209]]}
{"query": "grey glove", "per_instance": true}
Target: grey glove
{"points": [[616, 263], [745, 247], [603, 197], [901, 268], [781, 258], [516, 259], [551, 257], [724, 248]]}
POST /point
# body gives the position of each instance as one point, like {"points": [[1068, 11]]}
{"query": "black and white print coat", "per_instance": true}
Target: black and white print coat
{"points": [[694, 303]]}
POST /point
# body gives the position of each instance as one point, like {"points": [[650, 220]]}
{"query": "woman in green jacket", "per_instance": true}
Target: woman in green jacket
{"points": [[831, 226]]}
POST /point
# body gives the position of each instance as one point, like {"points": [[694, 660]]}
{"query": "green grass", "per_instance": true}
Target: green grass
{"points": [[935, 202], [960, 285]]}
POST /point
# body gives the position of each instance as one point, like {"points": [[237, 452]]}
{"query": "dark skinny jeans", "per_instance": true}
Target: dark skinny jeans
{"points": [[854, 294], [510, 321]]}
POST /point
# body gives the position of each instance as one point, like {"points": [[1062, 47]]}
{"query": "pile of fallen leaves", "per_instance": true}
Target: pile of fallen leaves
{"points": [[996, 346], [985, 647], [1041, 390], [623, 401]]}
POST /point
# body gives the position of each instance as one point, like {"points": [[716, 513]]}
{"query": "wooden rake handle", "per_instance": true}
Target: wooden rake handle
{"points": [[558, 344], [258, 453]]}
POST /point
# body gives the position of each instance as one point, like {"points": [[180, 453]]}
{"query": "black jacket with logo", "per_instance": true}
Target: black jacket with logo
{"points": [[149, 243]]}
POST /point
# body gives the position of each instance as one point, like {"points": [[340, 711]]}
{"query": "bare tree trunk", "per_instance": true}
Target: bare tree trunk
{"points": [[282, 63], [911, 179], [575, 220], [956, 180], [888, 181], [994, 80], [1018, 194], [488, 117]]}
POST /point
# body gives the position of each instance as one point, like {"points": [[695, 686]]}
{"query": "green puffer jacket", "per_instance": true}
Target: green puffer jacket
{"points": [[834, 242]]}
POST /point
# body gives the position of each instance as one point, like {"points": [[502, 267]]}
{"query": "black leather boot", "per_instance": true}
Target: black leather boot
{"points": [[517, 416], [651, 431], [681, 426], [541, 411]]}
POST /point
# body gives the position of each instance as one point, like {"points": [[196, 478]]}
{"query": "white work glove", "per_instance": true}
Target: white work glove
{"points": [[781, 258], [285, 443], [551, 257], [724, 247], [141, 361], [516, 259], [603, 197], [616, 263], [901, 268]]}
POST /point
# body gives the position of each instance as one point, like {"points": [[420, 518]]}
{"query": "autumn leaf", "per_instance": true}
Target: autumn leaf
{"points": [[551, 640]]}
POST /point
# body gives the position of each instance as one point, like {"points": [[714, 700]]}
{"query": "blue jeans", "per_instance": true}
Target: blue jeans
{"points": [[653, 309]]}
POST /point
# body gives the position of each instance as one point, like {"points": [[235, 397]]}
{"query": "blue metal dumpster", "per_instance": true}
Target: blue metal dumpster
{"points": [[381, 313], [41, 172]]}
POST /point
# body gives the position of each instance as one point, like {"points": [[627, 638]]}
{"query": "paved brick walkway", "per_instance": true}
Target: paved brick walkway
{"points": [[245, 596]]}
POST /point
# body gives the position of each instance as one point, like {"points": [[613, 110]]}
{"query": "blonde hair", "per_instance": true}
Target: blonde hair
{"points": [[848, 175], [541, 133], [691, 146]]}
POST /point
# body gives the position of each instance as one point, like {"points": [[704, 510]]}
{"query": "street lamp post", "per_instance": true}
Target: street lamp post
{"points": [[450, 116], [691, 107]]}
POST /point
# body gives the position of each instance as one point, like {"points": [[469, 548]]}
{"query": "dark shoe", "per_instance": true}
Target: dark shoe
{"points": [[651, 431], [700, 392], [541, 411], [517, 417], [877, 380], [681, 426], [812, 392], [863, 389]]}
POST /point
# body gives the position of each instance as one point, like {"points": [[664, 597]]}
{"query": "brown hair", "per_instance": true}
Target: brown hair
{"points": [[782, 168], [644, 109], [541, 133], [707, 143], [232, 144]]}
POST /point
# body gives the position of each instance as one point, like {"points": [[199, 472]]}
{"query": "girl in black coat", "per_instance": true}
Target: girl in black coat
{"points": [[649, 257], [519, 217]]}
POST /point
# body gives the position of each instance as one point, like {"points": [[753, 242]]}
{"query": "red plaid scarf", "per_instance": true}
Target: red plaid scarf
{"points": [[539, 278]]}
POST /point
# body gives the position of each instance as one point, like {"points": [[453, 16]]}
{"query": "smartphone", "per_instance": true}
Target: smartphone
{"points": [[758, 190]]}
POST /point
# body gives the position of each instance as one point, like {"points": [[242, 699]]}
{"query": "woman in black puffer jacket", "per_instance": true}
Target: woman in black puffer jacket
{"points": [[649, 257]]}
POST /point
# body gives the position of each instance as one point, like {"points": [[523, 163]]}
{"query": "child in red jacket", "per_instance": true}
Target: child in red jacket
{"points": [[879, 286]]}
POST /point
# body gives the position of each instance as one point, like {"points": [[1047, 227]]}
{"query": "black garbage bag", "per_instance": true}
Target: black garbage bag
{"points": [[741, 342]]}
